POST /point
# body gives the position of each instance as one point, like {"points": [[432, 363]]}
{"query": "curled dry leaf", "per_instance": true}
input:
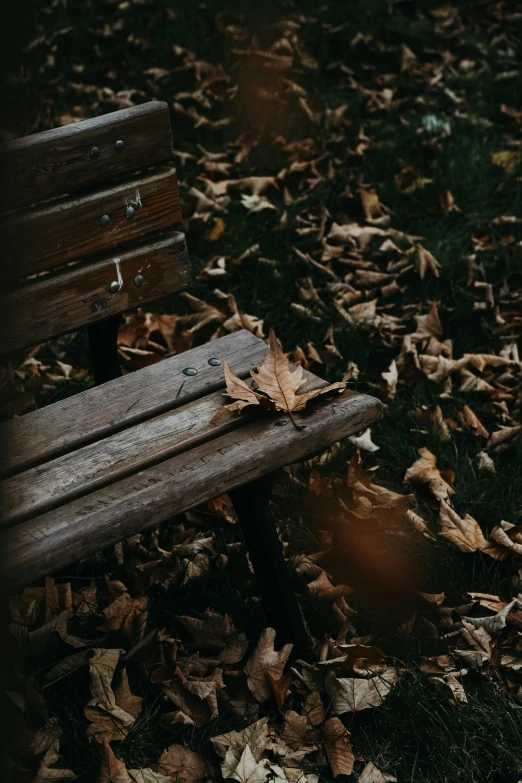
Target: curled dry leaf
{"points": [[230, 746], [47, 772], [265, 660], [464, 532], [218, 634], [371, 774], [337, 747], [425, 471], [182, 764], [353, 695], [425, 262]]}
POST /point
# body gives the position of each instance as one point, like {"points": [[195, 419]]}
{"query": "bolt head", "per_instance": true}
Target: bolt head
{"points": [[214, 361], [104, 221], [114, 287], [190, 371], [95, 153], [281, 422], [129, 212], [119, 146], [138, 280]]}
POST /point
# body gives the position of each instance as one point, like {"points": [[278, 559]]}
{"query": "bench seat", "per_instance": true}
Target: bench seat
{"points": [[93, 469]]}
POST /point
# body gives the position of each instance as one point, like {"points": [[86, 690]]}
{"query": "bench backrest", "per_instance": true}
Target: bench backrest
{"points": [[87, 225]]}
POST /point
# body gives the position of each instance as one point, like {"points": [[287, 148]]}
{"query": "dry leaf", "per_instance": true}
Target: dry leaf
{"points": [[371, 774], [353, 695], [182, 764], [425, 471], [216, 633], [337, 747], [425, 262], [265, 660], [464, 532]]}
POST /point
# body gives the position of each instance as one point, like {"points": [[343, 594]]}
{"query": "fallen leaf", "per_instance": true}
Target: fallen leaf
{"points": [[371, 774], [425, 262], [425, 471], [112, 770], [182, 764], [354, 695], [265, 660], [337, 747], [464, 532]]}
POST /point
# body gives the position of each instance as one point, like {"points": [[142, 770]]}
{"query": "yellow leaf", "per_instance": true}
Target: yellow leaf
{"points": [[507, 159], [216, 231]]}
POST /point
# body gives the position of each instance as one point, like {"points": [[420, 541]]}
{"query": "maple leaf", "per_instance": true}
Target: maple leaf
{"points": [[265, 660], [353, 695], [425, 471], [275, 385], [464, 532], [337, 747], [112, 770]]}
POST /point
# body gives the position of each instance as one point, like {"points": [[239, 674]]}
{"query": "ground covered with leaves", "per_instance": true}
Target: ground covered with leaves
{"points": [[350, 176]]}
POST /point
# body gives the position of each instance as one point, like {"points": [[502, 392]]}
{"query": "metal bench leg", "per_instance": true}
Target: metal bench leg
{"points": [[103, 342], [266, 555]]}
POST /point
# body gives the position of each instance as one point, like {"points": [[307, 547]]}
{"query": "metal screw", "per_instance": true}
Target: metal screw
{"points": [[214, 361], [138, 280], [119, 146], [129, 212], [114, 287], [95, 153], [281, 422], [105, 220], [190, 371]]}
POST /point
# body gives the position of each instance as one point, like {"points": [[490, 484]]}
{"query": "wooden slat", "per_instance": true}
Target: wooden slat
{"points": [[105, 461], [59, 161], [41, 239], [96, 413], [55, 304], [80, 528]]}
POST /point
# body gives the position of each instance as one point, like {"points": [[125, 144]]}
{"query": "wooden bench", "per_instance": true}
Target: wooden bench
{"points": [[89, 232]]}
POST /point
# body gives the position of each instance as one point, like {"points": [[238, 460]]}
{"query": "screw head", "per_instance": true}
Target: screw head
{"points": [[281, 422], [114, 287], [214, 361], [129, 212], [190, 371], [138, 280], [104, 221], [119, 146], [95, 153]]}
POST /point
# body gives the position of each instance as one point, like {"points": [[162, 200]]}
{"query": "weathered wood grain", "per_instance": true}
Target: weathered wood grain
{"points": [[80, 528], [44, 238], [96, 413], [59, 161], [105, 461], [55, 304]]}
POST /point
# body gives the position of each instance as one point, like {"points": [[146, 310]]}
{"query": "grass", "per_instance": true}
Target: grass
{"points": [[415, 735]]}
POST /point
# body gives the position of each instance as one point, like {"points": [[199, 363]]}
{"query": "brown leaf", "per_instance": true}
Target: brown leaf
{"points": [[464, 532], [112, 770], [371, 774], [275, 379], [425, 471], [447, 202], [182, 764], [425, 262], [353, 695], [265, 660], [337, 747], [216, 632]]}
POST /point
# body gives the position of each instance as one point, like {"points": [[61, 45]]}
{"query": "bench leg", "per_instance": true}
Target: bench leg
{"points": [[103, 342], [266, 555]]}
